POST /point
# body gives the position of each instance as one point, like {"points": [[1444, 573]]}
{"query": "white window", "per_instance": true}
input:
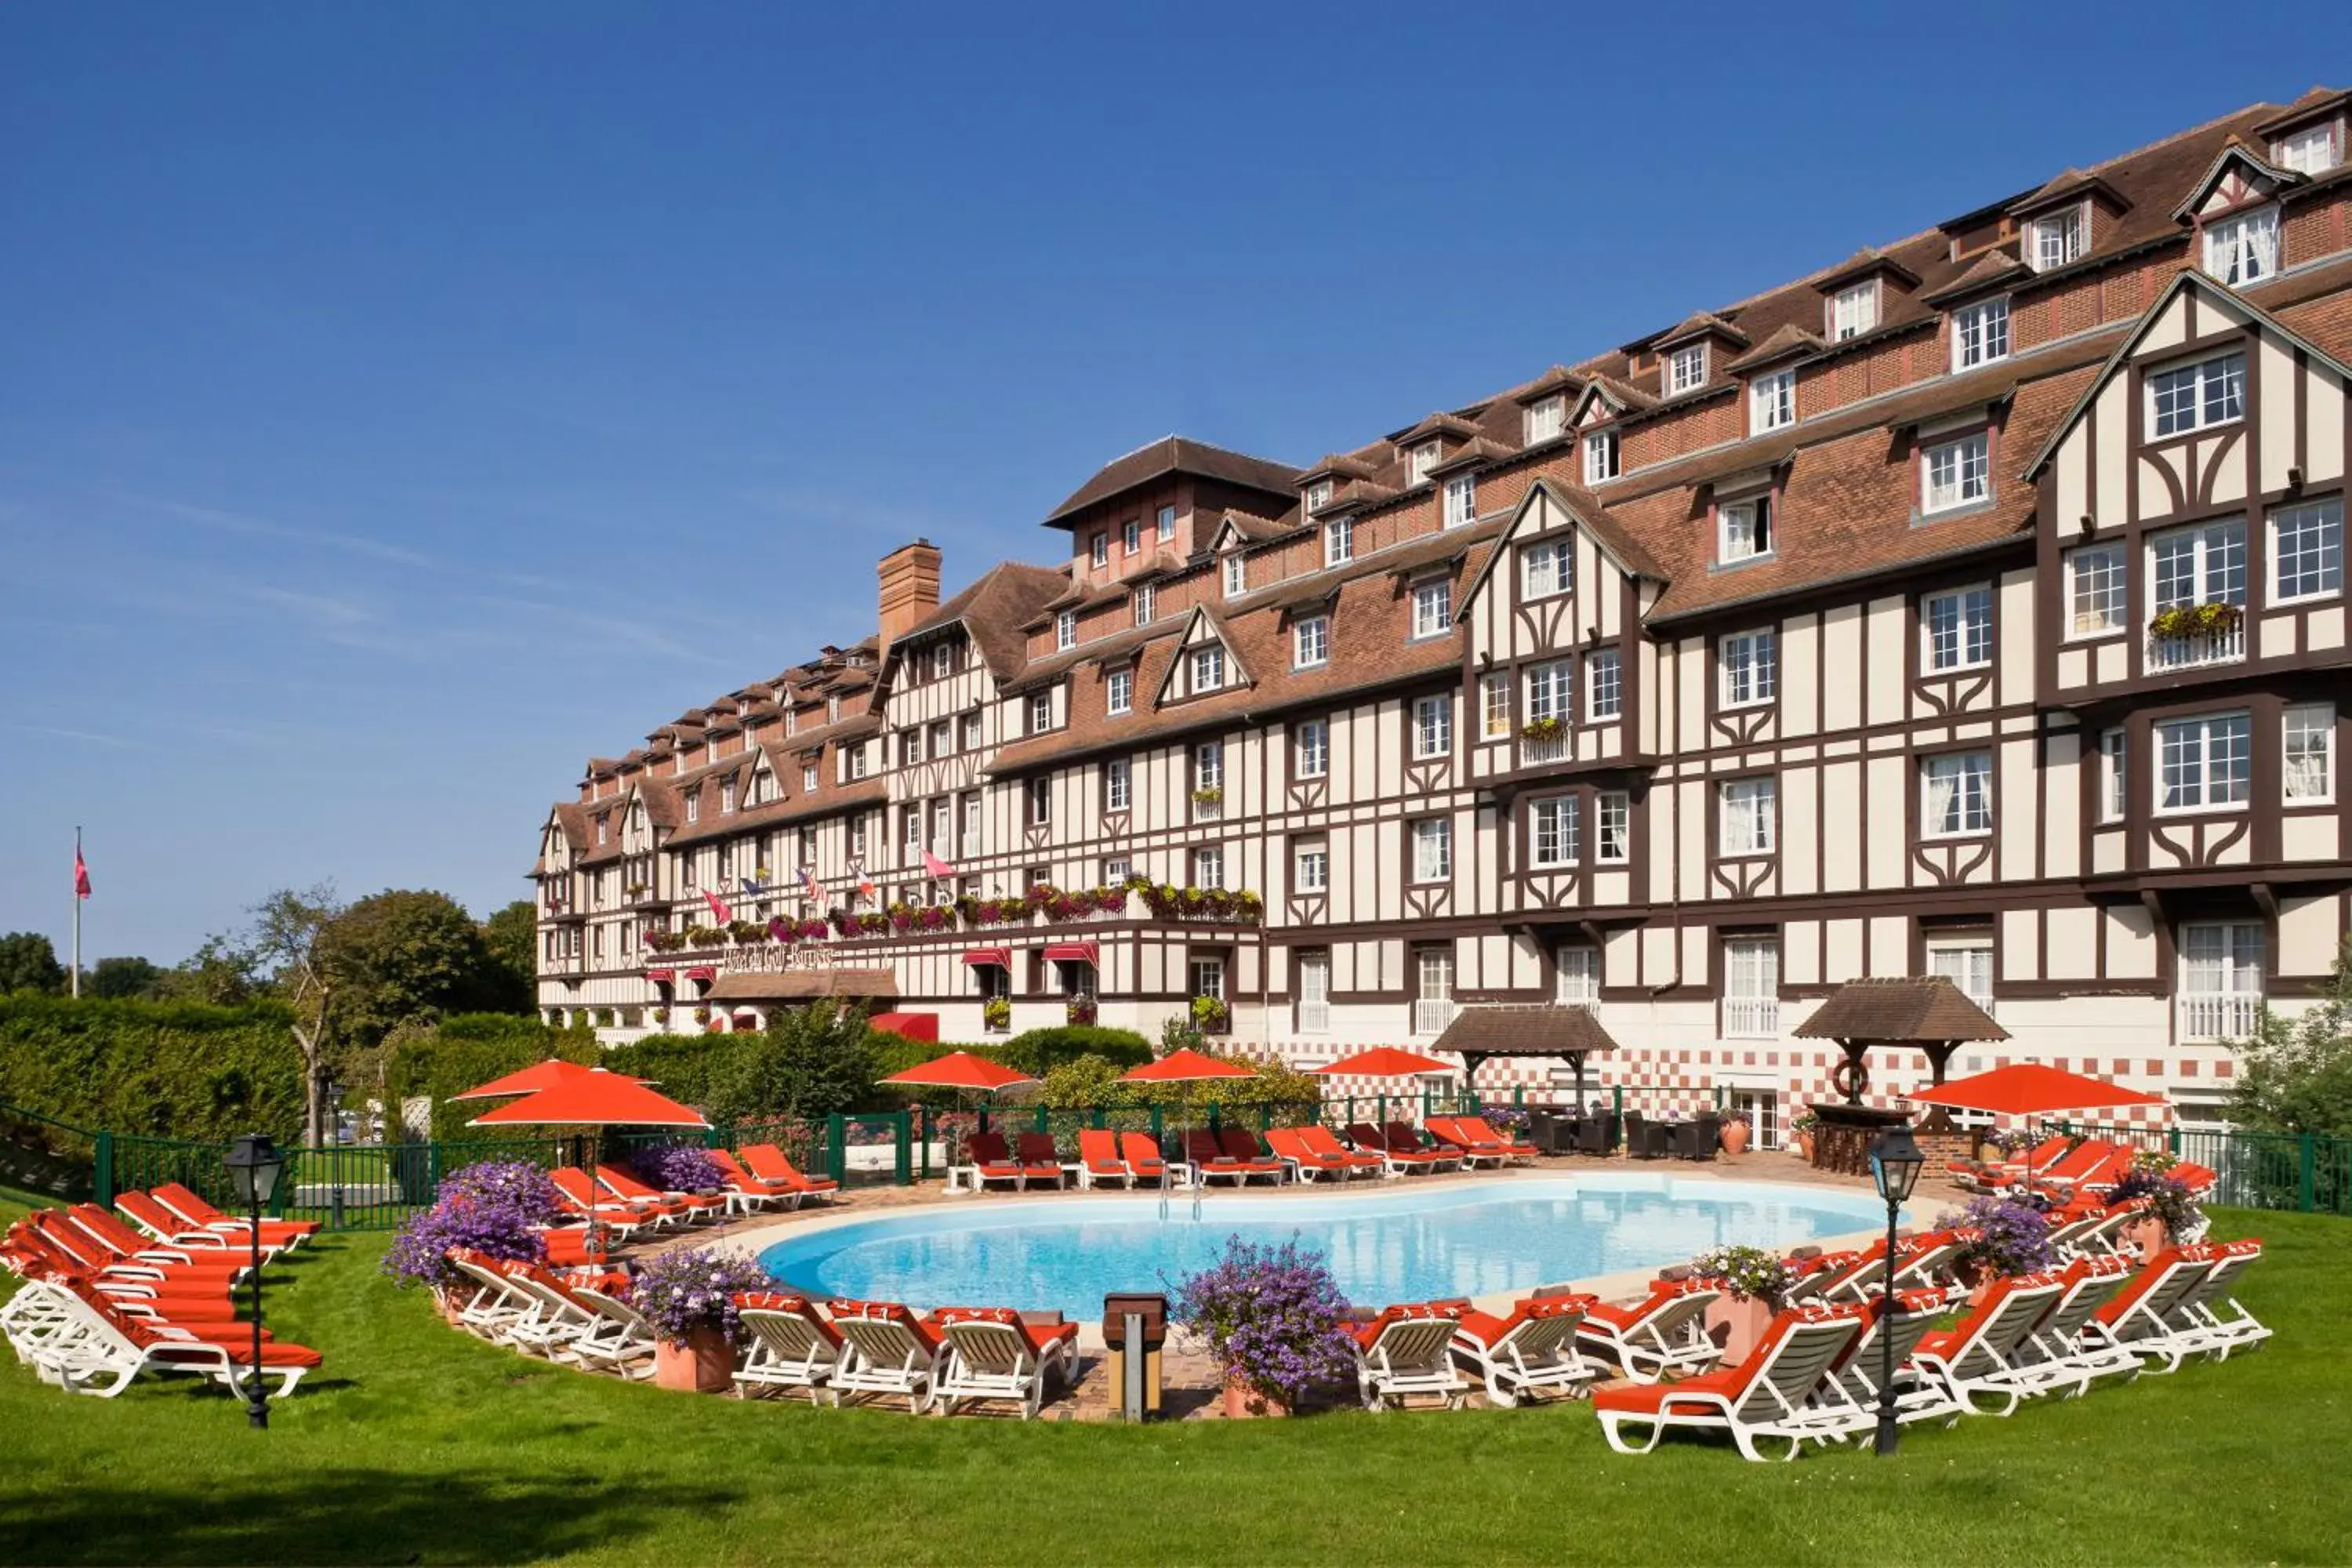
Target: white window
{"points": [[1433, 849], [726, 796], [1494, 706], [938, 738], [910, 824], [1551, 831], [1545, 569], [1311, 756], [1981, 334], [808, 778], [1687, 369], [2310, 751], [2204, 762], [1433, 608], [1433, 1007], [1130, 535], [1603, 682], [1208, 668], [1423, 459], [1751, 988], [1319, 496], [1461, 500], [1600, 456], [1744, 530], [1546, 420], [1119, 784], [1749, 809], [2220, 980], [2204, 564], [2308, 542], [2094, 589], [1854, 310], [1338, 540], [972, 822], [1433, 727], [1314, 868], [1956, 473], [1117, 870], [1041, 712], [1209, 764], [2113, 778], [833, 710], [694, 806], [1099, 549], [2243, 248], [2059, 238], [604, 828], [943, 661], [1165, 523], [2192, 396], [1772, 402], [1576, 977], [1956, 795], [1120, 695], [1041, 806], [1310, 642], [1209, 866], [1967, 962], [1314, 992], [2310, 150], [1066, 630], [972, 727], [1549, 690], [1750, 672], [1958, 629], [1147, 599], [1236, 574], [1612, 825]]}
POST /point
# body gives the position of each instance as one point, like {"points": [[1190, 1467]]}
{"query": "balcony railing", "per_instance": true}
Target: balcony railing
{"points": [[1430, 1014], [1314, 1017], [2229, 1016], [2197, 649], [1537, 752], [1751, 1017]]}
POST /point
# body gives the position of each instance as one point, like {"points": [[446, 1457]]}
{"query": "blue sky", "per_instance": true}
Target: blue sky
{"points": [[400, 403]]}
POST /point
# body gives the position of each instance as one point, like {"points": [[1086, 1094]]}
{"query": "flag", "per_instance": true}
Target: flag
{"points": [[937, 867], [808, 881], [717, 906], [752, 887], [864, 882], [81, 875]]}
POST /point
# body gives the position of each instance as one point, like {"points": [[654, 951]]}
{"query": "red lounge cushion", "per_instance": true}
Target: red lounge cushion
{"points": [[272, 1354], [1651, 1398], [769, 1302]]}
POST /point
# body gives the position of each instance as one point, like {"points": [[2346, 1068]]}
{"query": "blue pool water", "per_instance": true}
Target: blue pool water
{"points": [[1400, 1244]]}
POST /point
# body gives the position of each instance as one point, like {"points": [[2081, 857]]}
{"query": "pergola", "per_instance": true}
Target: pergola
{"points": [[764, 990], [1928, 1012], [1523, 1029]]}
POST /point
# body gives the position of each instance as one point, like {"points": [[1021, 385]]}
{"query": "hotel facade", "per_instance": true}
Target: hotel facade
{"points": [[1974, 606]]}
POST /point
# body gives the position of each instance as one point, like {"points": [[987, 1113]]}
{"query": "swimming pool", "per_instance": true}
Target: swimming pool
{"points": [[1402, 1243]]}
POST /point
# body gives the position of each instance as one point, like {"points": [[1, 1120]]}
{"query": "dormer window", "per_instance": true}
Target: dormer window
{"points": [[1424, 457], [833, 710], [1208, 668], [694, 806], [2243, 248], [1687, 369], [1954, 474], [2055, 240], [1338, 542], [1167, 523], [1041, 712], [1433, 608], [1547, 419], [2310, 150], [793, 718], [1319, 495], [1854, 310], [808, 778], [727, 797], [1146, 598], [604, 828], [943, 661], [1771, 402], [1600, 456], [1743, 530], [2192, 396], [1130, 536], [1066, 630], [1099, 550], [1461, 500], [1236, 574], [1980, 334]]}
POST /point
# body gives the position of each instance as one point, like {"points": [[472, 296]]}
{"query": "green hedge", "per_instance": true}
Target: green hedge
{"points": [[471, 1048], [168, 1070]]}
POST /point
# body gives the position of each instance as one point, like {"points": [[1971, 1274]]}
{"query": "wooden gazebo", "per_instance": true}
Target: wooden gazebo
{"points": [[1923, 1013], [1485, 1030]]}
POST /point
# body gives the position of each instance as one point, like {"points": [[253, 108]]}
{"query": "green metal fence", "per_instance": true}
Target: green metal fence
{"points": [[2304, 1170]]}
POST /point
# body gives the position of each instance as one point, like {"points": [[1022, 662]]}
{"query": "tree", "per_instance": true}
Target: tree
{"points": [[121, 977], [512, 937], [220, 972], [811, 1062], [283, 946], [2297, 1077], [402, 956], [27, 962]]}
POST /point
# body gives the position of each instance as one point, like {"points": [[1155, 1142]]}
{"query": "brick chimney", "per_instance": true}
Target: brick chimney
{"points": [[910, 589]]}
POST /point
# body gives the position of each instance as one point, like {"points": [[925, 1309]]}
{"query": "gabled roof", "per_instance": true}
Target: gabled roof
{"points": [[1523, 1029], [1622, 396], [1177, 455], [1700, 324], [1202, 616], [2187, 278], [1918, 1009], [2072, 183], [1864, 263], [994, 610], [1791, 341], [1556, 380], [1339, 466], [1475, 450], [2310, 106], [1993, 268], [1438, 424], [2233, 152], [1585, 509]]}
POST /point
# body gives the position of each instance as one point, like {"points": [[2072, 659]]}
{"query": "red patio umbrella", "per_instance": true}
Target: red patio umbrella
{"points": [[2030, 1088], [1183, 1066], [964, 1073], [534, 1078], [597, 1099], [1384, 1061]]}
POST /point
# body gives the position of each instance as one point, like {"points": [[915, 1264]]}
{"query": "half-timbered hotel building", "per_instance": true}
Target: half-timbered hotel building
{"points": [[1973, 607]]}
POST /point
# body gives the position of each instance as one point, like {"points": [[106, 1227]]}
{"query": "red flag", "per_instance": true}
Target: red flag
{"points": [[717, 906], [937, 867], [808, 880], [81, 875]]}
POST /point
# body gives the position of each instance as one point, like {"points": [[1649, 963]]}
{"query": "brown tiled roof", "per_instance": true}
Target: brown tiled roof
{"points": [[1700, 323], [2318, 101], [1789, 340], [1254, 527], [994, 610], [1177, 455], [1477, 450], [1341, 466], [1438, 424], [572, 816], [1523, 1029], [1870, 259], [1925, 1007], [803, 984], [1357, 497], [1995, 267], [1558, 378]]}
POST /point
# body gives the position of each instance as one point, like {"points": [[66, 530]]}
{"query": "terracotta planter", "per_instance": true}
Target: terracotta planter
{"points": [[446, 1305], [1242, 1401], [703, 1362], [1736, 1322], [1735, 1137], [2149, 1235], [1801, 1144]]}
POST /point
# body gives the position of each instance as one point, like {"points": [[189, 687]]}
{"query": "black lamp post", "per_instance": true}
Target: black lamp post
{"points": [[1895, 1162], [254, 1165]]}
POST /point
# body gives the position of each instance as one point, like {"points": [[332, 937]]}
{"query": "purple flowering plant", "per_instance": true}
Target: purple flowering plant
{"points": [[2168, 1197], [694, 1288], [494, 1207], [2013, 1237], [1747, 1271], [1272, 1317], [1511, 1119], [675, 1168]]}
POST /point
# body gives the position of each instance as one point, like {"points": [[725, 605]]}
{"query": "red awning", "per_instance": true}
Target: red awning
{"points": [[702, 971], [662, 975], [1075, 952], [1000, 956]]}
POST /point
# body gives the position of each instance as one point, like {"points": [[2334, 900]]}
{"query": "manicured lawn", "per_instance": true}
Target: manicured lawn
{"points": [[416, 1444]]}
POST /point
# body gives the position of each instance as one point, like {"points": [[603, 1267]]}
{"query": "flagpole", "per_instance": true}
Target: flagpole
{"points": [[76, 970]]}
